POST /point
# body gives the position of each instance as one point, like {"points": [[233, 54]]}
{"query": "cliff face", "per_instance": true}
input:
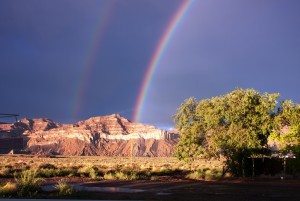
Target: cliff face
{"points": [[105, 136]]}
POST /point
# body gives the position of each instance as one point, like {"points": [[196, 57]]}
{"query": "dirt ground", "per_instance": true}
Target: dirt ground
{"points": [[168, 188], [182, 189]]}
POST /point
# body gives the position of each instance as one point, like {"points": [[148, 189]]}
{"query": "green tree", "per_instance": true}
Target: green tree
{"points": [[235, 125], [188, 146], [286, 133]]}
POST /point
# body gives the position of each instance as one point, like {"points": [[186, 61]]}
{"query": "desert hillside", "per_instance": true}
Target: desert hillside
{"points": [[111, 135]]}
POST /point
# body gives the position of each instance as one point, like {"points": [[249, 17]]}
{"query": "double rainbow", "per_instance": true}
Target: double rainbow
{"points": [[154, 61]]}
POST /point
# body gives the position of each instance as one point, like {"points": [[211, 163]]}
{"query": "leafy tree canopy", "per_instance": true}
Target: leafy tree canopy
{"points": [[236, 125], [286, 133]]}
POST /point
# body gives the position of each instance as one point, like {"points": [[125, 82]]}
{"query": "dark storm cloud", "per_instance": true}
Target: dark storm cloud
{"points": [[35, 49], [218, 46], [45, 45]]}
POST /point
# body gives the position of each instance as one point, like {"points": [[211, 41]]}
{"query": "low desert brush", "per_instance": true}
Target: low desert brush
{"points": [[63, 188], [28, 183], [93, 174], [47, 166], [69, 171], [198, 174], [205, 173], [5, 172], [121, 176], [88, 171], [126, 175], [9, 189], [109, 176], [47, 173], [213, 174]]}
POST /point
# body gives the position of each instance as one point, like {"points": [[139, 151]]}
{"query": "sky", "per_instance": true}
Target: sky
{"points": [[69, 60]]}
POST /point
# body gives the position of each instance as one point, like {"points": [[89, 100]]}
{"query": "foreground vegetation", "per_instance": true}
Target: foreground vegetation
{"points": [[27, 173], [80, 165]]}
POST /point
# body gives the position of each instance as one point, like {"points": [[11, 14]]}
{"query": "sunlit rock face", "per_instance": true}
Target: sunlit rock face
{"points": [[111, 135]]}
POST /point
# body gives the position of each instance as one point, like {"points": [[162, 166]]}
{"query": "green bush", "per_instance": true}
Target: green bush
{"points": [[72, 171], [126, 175], [88, 171], [121, 176], [28, 183], [47, 173], [213, 174], [198, 174], [93, 174], [206, 174], [109, 176]]}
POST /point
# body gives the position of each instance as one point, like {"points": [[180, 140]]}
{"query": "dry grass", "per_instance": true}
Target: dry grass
{"points": [[28, 171], [97, 167]]}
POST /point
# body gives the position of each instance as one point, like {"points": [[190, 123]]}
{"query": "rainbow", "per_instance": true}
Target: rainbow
{"points": [[87, 69], [154, 61]]}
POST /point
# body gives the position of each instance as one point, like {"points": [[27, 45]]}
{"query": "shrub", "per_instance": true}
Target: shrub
{"points": [[209, 175], [63, 188], [162, 172], [28, 184], [121, 176], [88, 171], [144, 174], [47, 173], [198, 174], [126, 175], [72, 171], [47, 166], [213, 174], [5, 172], [8, 189], [109, 176], [93, 174], [206, 174]]}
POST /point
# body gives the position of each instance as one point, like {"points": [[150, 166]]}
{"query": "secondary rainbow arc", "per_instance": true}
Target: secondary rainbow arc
{"points": [[88, 65]]}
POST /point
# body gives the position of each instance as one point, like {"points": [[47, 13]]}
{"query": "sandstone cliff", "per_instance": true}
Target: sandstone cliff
{"points": [[111, 135]]}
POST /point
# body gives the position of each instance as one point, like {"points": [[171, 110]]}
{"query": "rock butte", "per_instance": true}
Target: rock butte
{"points": [[111, 135]]}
